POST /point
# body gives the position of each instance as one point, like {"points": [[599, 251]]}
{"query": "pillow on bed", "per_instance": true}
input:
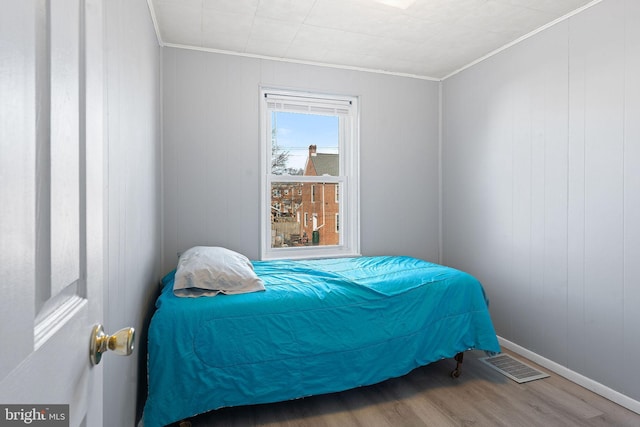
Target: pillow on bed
{"points": [[207, 271]]}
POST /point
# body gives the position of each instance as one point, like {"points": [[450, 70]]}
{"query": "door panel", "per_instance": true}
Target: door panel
{"points": [[17, 184], [64, 56], [51, 171]]}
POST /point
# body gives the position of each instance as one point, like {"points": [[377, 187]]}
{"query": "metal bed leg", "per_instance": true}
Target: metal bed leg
{"points": [[458, 358]]}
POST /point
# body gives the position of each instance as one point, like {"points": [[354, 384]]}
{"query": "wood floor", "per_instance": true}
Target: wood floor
{"points": [[428, 396]]}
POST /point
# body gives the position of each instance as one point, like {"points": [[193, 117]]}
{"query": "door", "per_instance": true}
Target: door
{"points": [[51, 205]]}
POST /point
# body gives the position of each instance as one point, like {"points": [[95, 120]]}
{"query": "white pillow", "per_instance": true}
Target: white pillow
{"points": [[207, 271]]}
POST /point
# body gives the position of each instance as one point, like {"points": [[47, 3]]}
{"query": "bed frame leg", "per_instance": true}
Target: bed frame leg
{"points": [[458, 358]]}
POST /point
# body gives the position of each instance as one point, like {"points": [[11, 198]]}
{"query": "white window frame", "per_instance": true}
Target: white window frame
{"points": [[348, 106]]}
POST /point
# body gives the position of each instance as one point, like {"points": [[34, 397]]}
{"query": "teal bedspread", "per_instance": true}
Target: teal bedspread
{"points": [[321, 326]]}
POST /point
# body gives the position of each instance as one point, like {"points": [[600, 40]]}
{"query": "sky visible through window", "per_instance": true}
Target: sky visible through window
{"points": [[295, 132]]}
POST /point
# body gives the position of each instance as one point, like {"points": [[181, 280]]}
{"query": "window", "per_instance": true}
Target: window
{"points": [[310, 172]]}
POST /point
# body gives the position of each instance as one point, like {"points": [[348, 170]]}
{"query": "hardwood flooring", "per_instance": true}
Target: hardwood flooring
{"points": [[428, 396]]}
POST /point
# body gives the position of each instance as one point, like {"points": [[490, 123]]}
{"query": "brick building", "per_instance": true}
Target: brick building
{"points": [[299, 209], [320, 201]]}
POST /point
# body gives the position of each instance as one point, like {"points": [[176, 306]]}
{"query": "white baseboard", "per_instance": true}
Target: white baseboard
{"points": [[581, 380]]}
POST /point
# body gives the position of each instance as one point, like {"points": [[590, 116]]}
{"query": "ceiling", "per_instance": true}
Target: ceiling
{"points": [[428, 39]]}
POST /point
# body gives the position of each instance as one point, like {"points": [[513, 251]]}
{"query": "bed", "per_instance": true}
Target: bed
{"points": [[319, 326]]}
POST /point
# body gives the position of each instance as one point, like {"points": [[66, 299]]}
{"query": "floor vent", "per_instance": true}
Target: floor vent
{"points": [[516, 370]]}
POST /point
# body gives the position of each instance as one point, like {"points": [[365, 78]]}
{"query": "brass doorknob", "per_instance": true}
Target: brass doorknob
{"points": [[120, 343]]}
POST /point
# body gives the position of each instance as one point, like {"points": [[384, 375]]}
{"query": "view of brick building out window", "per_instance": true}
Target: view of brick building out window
{"points": [[310, 177], [307, 213]]}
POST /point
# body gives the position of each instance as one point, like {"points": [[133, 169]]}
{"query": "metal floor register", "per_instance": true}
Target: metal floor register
{"points": [[516, 370]]}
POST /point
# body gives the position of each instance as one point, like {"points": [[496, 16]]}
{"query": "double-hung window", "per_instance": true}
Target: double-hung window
{"points": [[310, 182]]}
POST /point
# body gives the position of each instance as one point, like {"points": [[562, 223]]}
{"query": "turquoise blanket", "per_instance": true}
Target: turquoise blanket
{"points": [[321, 326]]}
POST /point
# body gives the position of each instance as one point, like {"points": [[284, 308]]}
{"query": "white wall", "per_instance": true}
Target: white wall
{"points": [[133, 144], [211, 151], [541, 190]]}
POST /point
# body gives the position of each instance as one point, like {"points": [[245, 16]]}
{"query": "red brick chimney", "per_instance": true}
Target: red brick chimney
{"points": [[312, 150]]}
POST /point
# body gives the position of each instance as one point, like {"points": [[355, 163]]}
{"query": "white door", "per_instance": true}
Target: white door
{"points": [[51, 205]]}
